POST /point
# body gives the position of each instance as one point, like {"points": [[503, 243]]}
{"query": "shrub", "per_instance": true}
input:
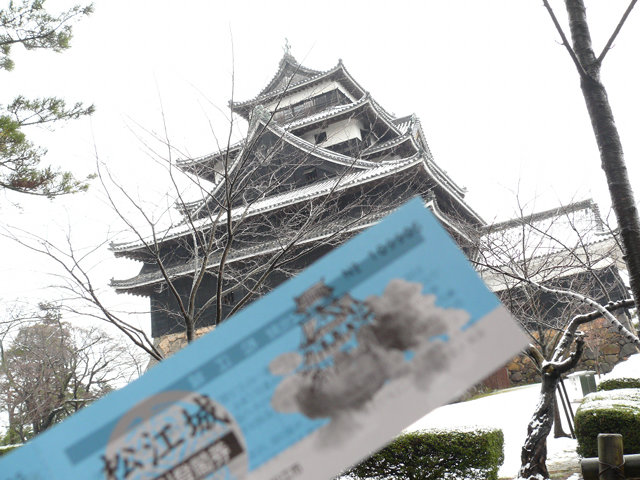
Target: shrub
{"points": [[616, 383], [6, 449], [426, 455], [613, 411]]}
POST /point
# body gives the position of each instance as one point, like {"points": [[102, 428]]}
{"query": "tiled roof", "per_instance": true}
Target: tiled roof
{"points": [[242, 107], [314, 190], [404, 124], [190, 162], [321, 232], [288, 62], [568, 228], [339, 110]]}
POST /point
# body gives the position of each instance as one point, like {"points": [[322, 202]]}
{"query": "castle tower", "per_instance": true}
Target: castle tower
{"points": [[321, 161]]}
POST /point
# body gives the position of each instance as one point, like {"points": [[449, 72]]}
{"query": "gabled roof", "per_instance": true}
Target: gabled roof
{"points": [[338, 73], [261, 123], [359, 106], [572, 228], [319, 233], [289, 72], [315, 190], [193, 164]]}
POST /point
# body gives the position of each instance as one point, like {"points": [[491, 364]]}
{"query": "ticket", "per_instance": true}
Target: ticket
{"points": [[304, 382]]}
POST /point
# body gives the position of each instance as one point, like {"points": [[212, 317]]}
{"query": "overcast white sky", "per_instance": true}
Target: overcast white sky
{"points": [[497, 95]]}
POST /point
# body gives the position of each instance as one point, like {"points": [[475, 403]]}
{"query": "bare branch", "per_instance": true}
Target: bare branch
{"points": [[613, 36], [565, 42]]}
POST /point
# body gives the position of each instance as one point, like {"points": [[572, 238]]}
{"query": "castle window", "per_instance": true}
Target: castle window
{"points": [[310, 174], [298, 109], [227, 298], [320, 137]]}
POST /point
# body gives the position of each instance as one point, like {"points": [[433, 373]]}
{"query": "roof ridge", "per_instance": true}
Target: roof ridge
{"points": [[549, 213], [262, 96], [287, 59], [314, 190]]}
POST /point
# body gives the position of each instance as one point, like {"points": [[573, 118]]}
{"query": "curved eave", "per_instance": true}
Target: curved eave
{"points": [[306, 147], [336, 114], [445, 220], [144, 285], [138, 252], [429, 168], [320, 152], [191, 165], [390, 145], [319, 189], [244, 108], [287, 60]]}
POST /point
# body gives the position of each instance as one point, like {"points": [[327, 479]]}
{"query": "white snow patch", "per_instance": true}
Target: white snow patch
{"points": [[509, 411], [630, 368]]}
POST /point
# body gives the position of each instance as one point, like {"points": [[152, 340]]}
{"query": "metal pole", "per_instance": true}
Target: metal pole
{"points": [[610, 456], [566, 412], [564, 389]]}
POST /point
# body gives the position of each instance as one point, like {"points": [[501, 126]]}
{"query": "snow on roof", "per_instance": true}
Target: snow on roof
{"points": [[189, 162], [404, 124], [288, 66], [277, 201], [350, 107], [289, 87], [342, 225], [568, 228]]}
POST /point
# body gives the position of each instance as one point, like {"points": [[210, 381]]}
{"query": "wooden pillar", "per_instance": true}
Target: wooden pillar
{"points": [[610, 456]]}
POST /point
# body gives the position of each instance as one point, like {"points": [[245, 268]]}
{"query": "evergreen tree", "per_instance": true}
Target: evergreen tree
{"points": [[27, 23]]}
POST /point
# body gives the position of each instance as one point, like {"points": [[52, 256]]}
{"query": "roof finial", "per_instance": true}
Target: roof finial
{"points": [[287, 47]]}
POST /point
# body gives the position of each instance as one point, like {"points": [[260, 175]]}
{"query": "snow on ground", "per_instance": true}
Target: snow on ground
{"points": [[511, 410], [627, 369]]}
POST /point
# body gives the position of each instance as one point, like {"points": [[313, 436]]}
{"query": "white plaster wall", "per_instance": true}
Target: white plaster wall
{"points": [[317, 89], [337, 132]]}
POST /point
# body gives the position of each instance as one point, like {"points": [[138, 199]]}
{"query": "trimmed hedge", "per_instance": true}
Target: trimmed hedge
{"points": [[616, 383], [435, 455], [8, 448], [612, 411]]}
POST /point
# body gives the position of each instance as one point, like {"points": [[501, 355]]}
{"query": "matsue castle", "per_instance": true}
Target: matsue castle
{"points": [[318, 144], [321, 161]]}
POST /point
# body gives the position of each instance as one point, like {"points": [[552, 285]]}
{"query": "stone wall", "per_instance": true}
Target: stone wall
{"points": [[604, 348], [170, 344]]}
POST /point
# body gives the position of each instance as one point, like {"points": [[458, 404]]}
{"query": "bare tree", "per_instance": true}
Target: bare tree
{"points": [[534, 450], [589, 66], [249, 227], [238, 222], [51, 369], [569, 247], [555, 270]]}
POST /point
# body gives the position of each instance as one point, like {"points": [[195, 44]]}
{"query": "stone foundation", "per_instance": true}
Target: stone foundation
{"points": [[604, 348], [170, 344]]}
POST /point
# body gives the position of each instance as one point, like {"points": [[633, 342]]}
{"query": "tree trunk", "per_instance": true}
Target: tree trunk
{"points": [[608, 140], [534, 450]]}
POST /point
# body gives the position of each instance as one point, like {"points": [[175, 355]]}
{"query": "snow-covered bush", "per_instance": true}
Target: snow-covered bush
{"points": [[436, 455], [617, 383], [612, 411]]}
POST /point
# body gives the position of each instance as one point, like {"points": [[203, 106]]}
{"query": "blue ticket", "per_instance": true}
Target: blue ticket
{"points": [[306, 381]]}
